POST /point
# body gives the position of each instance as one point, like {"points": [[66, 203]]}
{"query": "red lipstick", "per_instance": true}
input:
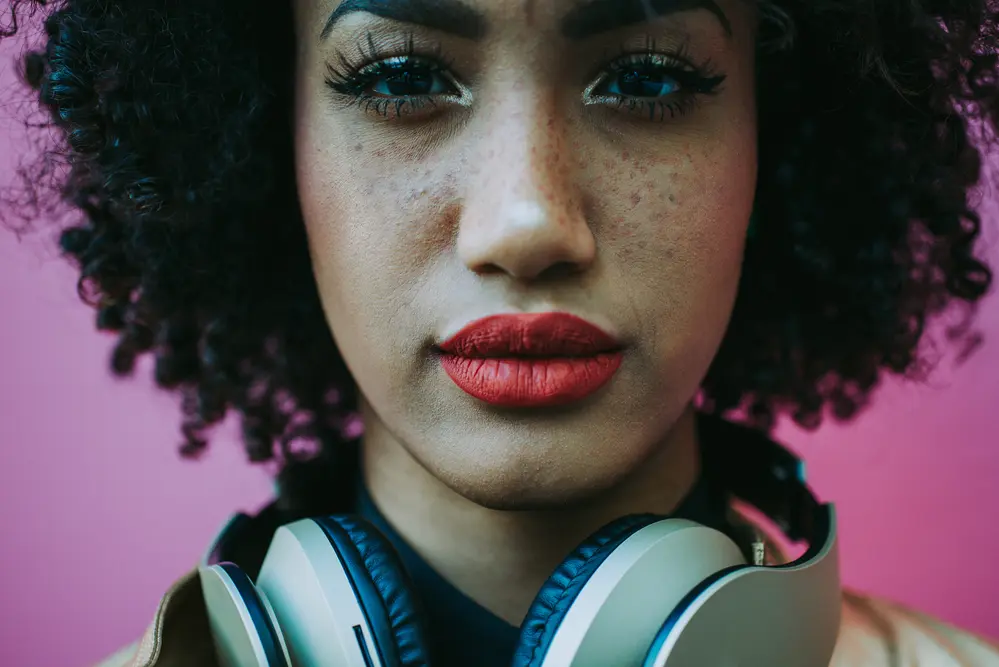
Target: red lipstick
{"points": [[530, 360]]}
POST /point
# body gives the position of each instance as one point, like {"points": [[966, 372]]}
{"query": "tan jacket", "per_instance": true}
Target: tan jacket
{"points": [[179, 637]]}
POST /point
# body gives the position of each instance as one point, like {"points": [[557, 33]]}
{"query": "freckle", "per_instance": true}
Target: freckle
{"points": [[358, 147], [672, 199]]}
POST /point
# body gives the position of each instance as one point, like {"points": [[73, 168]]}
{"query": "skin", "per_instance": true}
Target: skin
{"points": [[523, 197]]}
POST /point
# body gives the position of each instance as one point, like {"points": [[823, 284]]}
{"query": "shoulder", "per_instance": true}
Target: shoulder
{"points": [[178, 634], [879, 633]]}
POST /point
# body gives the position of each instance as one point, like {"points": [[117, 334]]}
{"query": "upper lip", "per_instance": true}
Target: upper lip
{"points": [[553, 334]]}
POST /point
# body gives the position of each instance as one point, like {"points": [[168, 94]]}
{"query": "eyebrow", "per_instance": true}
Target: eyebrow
{"points": [[583, 21], [450, 16]]}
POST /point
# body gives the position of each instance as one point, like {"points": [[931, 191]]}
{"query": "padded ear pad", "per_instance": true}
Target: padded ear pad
{"points": [[558, 593], [383, 588]]}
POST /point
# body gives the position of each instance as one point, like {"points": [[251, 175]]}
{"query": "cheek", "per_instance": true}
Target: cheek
{"points": [[673, 230], [370, 227], [346, 238], [695, 203], [373, 231]]}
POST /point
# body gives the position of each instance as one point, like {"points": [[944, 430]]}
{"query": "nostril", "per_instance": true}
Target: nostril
{"points": [[489, 269], [559, 270], [553, 273]]}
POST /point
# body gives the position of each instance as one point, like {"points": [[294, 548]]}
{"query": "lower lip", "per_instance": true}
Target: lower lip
{"points": [[531, 382]]}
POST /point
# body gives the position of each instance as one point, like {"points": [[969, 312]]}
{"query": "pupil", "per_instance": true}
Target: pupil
{"points": [[410, 83]]}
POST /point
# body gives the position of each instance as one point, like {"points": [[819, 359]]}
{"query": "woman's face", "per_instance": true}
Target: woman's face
{"points": [[459, 159]]}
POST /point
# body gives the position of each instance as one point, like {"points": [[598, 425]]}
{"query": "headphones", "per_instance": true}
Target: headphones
{"points": [[643, 591]]}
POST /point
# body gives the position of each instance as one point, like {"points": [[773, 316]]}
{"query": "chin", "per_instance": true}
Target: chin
{"points": [[512, 483], [514, 498]]}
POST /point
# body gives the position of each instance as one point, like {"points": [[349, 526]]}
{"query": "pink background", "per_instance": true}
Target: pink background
{"points": [[100, 515]]}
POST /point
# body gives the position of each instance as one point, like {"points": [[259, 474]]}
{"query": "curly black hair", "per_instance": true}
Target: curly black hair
{"points": [[175, 152]]}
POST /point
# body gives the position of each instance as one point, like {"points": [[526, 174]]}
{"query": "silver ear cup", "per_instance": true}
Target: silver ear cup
{"points": [[784, 615], [244, 629], [302, 612], [322, 620], [614, 618]]}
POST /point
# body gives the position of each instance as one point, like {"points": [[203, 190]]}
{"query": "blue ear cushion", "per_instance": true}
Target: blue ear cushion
{"points": [[558, 593], [383, 587]]}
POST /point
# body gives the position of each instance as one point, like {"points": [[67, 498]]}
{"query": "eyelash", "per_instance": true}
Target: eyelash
{"points": [[351, 80]]}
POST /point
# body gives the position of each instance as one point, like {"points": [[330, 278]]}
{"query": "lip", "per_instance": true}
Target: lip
{"points": [[530, 359]]}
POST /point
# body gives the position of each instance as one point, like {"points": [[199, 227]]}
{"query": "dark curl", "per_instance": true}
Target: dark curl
{"points": [[175, 127]]}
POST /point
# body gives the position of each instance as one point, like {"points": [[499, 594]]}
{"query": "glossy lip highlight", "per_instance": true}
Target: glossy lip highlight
{"points": [[530, 359]]}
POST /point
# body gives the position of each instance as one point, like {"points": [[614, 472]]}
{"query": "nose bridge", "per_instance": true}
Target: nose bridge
{"points": [[528, 144], [522, 211]]}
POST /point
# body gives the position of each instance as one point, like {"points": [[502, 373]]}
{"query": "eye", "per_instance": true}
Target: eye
{"points": [[407, 77], [654, 85], [397, 86], [642, 82]]}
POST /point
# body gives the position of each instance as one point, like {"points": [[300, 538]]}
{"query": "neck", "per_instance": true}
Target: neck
{"points": [[501, 558]]}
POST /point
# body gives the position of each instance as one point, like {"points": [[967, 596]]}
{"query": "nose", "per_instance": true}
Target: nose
{"points": [[522, 216]]}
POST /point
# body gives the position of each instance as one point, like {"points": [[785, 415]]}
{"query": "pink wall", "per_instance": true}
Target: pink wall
{"points": [[100, 515]]}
